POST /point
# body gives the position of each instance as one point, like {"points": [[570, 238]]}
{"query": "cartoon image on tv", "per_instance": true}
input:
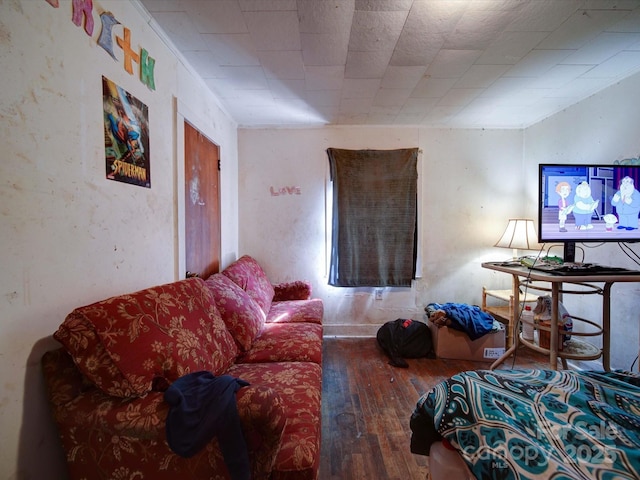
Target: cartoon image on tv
{"points": [[563, 189], [627, 203], [584, 206]]}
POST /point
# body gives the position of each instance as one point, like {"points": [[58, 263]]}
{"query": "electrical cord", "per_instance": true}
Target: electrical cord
{"points": [[520, 306], [629, 252]]}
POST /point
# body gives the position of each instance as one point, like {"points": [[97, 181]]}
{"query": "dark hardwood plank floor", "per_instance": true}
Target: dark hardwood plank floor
{"points": [[367, 403]]}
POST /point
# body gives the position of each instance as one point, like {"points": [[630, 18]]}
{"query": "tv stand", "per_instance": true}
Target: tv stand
{"points": [[522, 278], [569, 254]]}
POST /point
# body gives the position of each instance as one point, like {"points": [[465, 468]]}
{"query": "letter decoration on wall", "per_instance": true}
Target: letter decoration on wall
{"points": [[126, 125], [83, 14], [285, 191]]}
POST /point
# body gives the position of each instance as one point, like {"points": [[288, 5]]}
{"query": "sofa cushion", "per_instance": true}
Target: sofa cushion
{"points": [[300, 387], [124, 344], [289, 311], [286, 342], [241, 314], [249, 275]]}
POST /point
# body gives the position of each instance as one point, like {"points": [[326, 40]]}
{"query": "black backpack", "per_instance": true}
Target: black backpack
{"points": [[405, 338]]}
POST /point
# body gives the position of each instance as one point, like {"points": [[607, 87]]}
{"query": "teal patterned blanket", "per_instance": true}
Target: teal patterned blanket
{"points": [[539, 424]]}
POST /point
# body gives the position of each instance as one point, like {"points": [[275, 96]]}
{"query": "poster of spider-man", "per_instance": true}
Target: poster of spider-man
{"points": [[126, 128]]}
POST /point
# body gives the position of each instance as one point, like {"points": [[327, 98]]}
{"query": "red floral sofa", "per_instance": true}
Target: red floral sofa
{"points": [[106, 383]]}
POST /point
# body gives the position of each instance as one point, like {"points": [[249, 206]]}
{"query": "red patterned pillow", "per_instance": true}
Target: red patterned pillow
{"points": [[249, 275], [240, 313], [125, 343]]}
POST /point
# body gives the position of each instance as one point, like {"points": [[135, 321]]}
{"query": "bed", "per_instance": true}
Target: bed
{"points": [[534, 424]]}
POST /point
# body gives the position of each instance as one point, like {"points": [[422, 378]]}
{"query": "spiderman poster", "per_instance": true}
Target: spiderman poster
{"points": [[126, 136]]}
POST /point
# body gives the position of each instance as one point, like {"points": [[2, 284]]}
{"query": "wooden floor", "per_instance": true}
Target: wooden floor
{"points": [[367, 403]]}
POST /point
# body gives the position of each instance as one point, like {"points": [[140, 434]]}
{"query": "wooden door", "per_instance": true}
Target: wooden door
{"points": [[202, 204]]}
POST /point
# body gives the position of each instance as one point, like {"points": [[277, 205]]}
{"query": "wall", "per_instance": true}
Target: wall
{"points": [[70, 237], [601, 129], [470, 182]]}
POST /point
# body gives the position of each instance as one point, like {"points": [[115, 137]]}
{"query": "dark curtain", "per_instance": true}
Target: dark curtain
{"points": [[374, 224]]}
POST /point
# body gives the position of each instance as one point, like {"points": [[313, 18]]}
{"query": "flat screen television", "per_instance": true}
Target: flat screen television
{"points": [[588, 203]]}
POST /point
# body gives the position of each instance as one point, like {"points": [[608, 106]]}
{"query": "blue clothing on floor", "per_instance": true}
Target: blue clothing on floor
{"points": [[467, 318]]}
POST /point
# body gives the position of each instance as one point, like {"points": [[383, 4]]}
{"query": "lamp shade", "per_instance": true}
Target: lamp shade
{"points": [[519, 234]]}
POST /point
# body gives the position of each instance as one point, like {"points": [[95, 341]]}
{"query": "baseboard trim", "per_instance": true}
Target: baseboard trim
{"points": [[351, 330]]}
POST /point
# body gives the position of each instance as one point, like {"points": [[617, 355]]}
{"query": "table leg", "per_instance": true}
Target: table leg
{"points": [[606, 325], [513, 324], [553, 347]]}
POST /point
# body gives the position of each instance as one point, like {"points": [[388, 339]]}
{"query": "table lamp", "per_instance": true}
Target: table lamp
{"points": [[519, 234]]}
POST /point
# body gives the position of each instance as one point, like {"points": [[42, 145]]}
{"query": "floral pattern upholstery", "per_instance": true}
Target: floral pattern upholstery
{"points": [[112, 438], [105, 386], [125, 343], [242, 316], [299, 453], [249, 275], [286, 342], [310, 311]]}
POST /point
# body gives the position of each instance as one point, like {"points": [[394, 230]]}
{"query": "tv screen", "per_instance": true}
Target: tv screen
{"points": [[588, 203]]}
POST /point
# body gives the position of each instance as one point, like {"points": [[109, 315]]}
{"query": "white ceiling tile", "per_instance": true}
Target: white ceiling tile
{"points": [[258, 5], [478, 27], [360, 88], [355, 105], [429, 17], [418, 105], [579, 88], [581, 28], [391, 97], [287, 88], [274, 30], [383, 5], [417, 50], [452, 63], [559, 75], [376, 31], [510, 47], [232, 49], [538, 62], [433, 87], [181, 29], [506, 86], [204, 62], [282, 64], [324, 78], [366, 64], [245, 78], [617, 66], [402, 77], [221, 16], [459, 96], [542, 15], [325, 17], [324, 98], [512, 62], [603, 47], [481, 76], [630, 23], [409, 118], [324, 48]]}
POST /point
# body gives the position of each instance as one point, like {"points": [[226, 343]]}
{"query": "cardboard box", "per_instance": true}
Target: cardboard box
{"points": [[544, 336], [454, 344]]}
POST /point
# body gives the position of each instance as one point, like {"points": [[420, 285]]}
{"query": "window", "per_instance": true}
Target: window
{"points": [[374, 220]]}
